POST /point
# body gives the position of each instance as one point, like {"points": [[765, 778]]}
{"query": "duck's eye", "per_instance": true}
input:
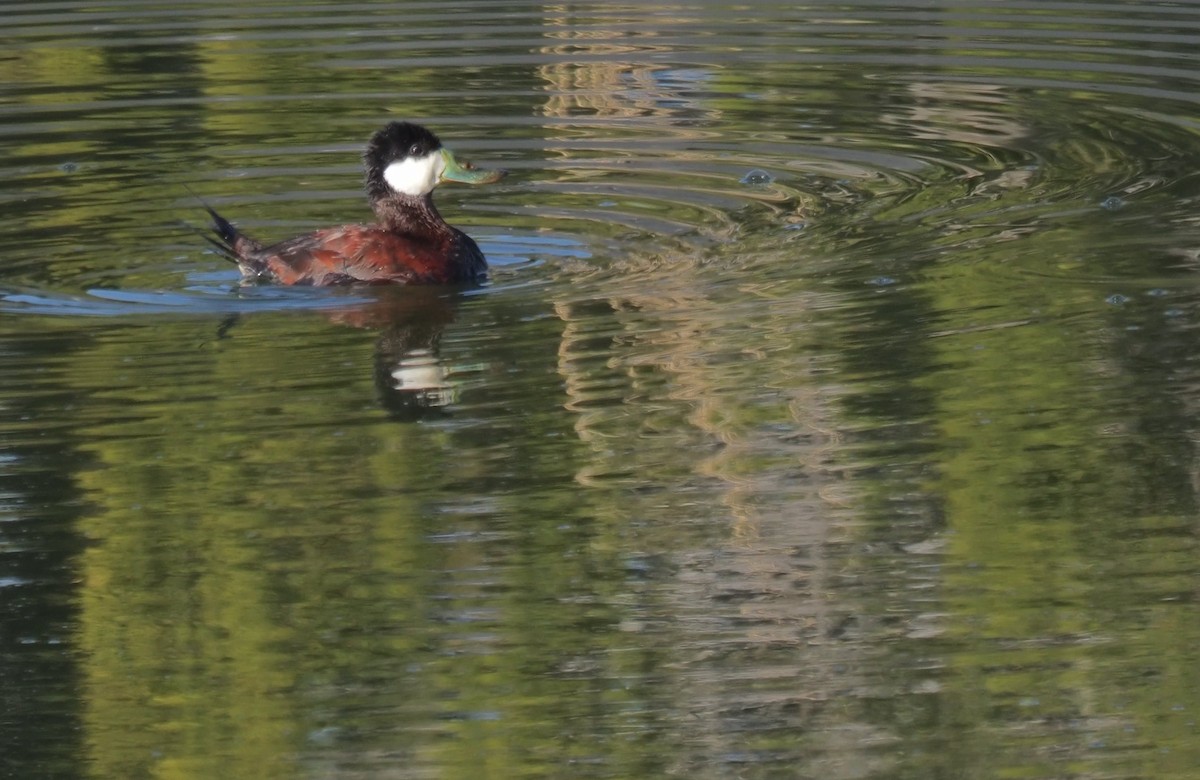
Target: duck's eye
{"points": [[414, 150]]}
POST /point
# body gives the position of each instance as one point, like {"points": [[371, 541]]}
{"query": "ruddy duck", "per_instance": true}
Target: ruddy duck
{"points": [[410, 244]]}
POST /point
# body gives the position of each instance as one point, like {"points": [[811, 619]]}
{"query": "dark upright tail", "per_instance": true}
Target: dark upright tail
{"points": [[234, 245]]}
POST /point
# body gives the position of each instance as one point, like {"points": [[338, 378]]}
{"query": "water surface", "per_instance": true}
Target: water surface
{"points": [[831, 411]]}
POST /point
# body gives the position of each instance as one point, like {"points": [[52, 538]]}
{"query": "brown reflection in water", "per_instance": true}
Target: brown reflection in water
{"points": [[977, 114], [653, 373], [761, 606], [617, 87]]}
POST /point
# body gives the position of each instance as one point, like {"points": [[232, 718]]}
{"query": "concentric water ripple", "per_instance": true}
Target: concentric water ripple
{"points": [[630, 129], [830, 411]]}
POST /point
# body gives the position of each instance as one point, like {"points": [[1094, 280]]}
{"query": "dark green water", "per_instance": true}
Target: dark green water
{"points": [[832, 411]]}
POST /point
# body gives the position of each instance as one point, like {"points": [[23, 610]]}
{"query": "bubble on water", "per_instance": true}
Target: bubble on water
{"points": [[882, 281], [324, 736], [69, 167], [1112, 203], [1116, 299], [757, 178]]}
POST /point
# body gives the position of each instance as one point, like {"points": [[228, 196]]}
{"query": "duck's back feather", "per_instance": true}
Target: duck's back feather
{"points": [[372, 254], [356, 254]]}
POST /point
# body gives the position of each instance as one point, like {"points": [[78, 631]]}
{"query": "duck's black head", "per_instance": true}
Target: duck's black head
{"points": [[405, 159]]}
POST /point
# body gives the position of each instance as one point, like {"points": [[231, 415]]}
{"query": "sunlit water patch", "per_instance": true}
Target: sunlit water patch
{"points": [[830, 409]]}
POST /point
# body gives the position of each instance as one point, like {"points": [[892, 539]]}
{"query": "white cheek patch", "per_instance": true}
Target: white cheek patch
{"points": [[415, 175]]}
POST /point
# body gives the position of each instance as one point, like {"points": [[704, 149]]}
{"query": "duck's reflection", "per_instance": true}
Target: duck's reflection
{"points": [[410, 374]]}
